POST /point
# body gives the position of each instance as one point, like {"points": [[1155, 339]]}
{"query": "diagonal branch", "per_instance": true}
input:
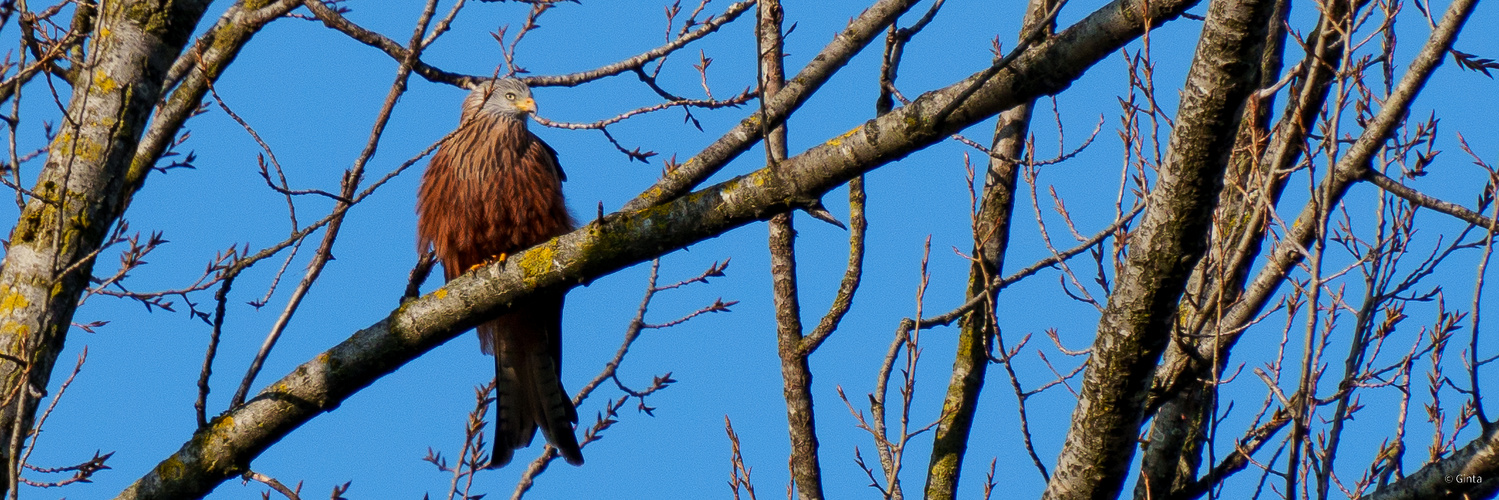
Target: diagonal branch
{"points": [[82, 192], [1466, 473], [1135, 327], [798, 89], [991, 239], [350, 188], [331, 18], [231, 441], [201, 65], [1353, 166], [1423, 200]]}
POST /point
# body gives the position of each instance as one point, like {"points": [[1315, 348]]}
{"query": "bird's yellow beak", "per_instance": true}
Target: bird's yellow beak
{"points": [[528, 105]]}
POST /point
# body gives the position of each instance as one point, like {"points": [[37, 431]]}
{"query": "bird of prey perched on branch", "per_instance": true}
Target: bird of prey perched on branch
{"points": [[494, 188]]}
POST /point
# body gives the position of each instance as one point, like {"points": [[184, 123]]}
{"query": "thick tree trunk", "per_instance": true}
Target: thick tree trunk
{"points": [[95, 165], [1178, 371], [1180, 389], [80, 193], [1174, 449], [1136, 325]]}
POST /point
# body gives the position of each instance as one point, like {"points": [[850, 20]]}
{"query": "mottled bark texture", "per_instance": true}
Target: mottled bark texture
{"points": [[991, 236], [1451, 478], [1178, 372], [1173, 451], [1136, 325], [96, 164], [971, 363], [796, 373], [218, 452], [1351, 167], [81, 192], [1180, 396]]}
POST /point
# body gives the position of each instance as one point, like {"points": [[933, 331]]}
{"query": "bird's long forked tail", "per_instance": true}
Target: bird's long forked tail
{"points": [[528, 395]]}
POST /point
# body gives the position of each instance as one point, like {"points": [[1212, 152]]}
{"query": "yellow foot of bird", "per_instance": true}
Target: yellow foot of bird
{"points": [[493, 259]]}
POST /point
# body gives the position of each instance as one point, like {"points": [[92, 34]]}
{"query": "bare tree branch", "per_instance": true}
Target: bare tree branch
{"points": [[84, 181], [1136, 324], [833, 57], [613, 242], [333, 19], [991, 240]]}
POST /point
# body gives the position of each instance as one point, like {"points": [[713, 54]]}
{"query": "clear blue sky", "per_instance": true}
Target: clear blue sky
{"points": [[312, 94]]}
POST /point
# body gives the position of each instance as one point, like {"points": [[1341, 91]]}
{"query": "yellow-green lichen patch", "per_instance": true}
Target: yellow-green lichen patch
{"points": [[441, 293], [30, 223], [654, 193], [170, 469], [330, 364], [81, 148], [538, 261], [607, 239], [104, 83], [17, 332], [659, 219], [838, 141], [149, 17], [79, 220], [280, 387], [223, 424], [11, 300], [57, 148]]}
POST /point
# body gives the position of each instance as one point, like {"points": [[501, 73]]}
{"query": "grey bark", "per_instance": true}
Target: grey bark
{"points": [[1180, 429], [1180, 396], [1351, 167], [991, 236], [221, 450], [796, 91], [796, 372], [1137, 323], [1466, 474], [81, 191], [95, 165]]}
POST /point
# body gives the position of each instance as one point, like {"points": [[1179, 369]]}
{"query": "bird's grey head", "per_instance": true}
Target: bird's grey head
{"points": [[506, 97]]}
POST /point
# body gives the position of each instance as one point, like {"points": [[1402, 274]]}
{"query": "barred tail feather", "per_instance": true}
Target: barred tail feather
{"points": [[554, 410], [513, 426], [528, 395]]}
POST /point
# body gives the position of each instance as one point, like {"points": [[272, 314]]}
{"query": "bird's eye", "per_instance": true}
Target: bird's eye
{"points": [[510, 95]]}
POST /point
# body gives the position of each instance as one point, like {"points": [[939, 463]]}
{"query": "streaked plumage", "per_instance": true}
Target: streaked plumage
{"points": [[494, 188]]}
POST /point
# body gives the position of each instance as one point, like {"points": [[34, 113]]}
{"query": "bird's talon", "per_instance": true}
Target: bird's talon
{"points": [[493, 259]]}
